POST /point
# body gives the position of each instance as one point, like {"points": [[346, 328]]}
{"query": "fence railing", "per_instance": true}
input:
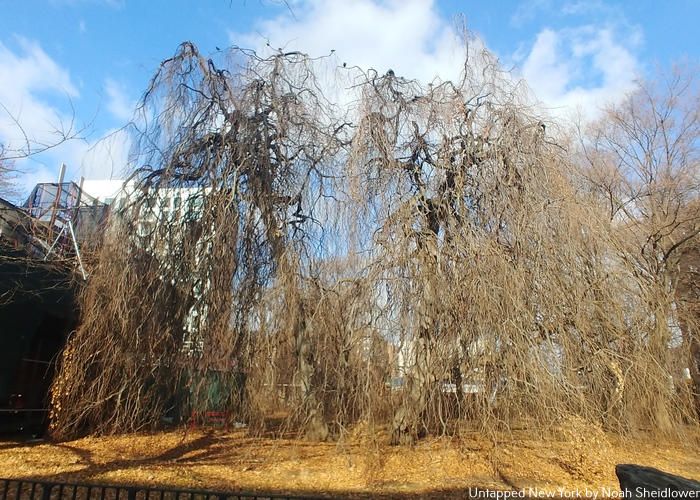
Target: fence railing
{"points": [[16, 489]]}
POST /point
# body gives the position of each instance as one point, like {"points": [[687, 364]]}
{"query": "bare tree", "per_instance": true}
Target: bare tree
{"points": [[26, 145], [247, 149], [642, 158], [7, 174], [433, 234]]}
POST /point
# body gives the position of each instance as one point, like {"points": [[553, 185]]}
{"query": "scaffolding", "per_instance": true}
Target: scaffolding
{"points": [[58, 221]]}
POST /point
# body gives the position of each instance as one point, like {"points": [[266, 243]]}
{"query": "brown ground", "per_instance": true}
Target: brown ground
{"points": [[577, 457]]}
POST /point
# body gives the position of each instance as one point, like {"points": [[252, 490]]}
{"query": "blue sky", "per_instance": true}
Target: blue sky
{"points": [[92, 59]]}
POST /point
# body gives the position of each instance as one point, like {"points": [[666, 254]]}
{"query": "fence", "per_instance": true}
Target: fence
{"points": [[14, 489]]}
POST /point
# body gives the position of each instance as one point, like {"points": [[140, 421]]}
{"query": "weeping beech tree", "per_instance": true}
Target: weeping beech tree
{"points": [[419, 261], [499, 272], [244, 151]]}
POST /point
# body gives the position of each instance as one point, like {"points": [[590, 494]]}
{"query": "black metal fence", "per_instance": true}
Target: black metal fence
{"points": [[14, 489]]}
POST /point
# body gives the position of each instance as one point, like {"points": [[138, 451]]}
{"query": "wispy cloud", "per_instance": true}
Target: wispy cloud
{"points": [[530, 11], [580, 69], [118, 102], [527, 11], [108, 157], [36, 97], [30, 82], [577, 67], [586, 57], [407, 36]]}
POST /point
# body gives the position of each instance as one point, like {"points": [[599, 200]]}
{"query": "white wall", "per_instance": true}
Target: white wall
{"points": [[105, 190]]}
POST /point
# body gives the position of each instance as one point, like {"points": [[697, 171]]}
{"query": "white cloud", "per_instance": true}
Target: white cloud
{"points": [[118, 103], [29, 81], [580, 69], [108, 157], [37, 94], [566, 68], [407, 36], [31, 72], [527, 11]]}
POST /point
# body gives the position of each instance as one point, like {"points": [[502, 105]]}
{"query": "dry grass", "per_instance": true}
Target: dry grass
{"points": [[578, 456]]}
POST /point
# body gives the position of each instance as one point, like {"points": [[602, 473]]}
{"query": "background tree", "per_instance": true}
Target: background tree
{"points": [[7, 174], [642, 158]]}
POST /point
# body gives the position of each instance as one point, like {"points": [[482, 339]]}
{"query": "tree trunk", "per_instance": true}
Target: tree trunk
{"points": [[694, 368], [408, 418], [315, 425]]}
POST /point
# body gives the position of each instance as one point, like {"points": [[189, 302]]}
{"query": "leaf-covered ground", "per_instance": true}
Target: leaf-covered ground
{"points": [[577, 456]]}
